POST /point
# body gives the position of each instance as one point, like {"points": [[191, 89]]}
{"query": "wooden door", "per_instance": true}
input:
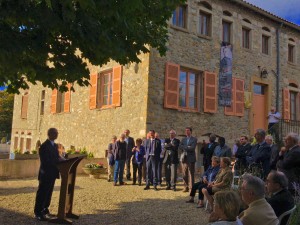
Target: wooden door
{"points": [[259, 107]]}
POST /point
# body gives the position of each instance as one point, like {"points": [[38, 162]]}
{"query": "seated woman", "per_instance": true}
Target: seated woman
{"points": [[208, 177], [226, 209], [222, 182]]}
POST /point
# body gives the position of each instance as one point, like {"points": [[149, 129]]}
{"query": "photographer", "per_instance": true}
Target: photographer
{"points": [[171, 160]]}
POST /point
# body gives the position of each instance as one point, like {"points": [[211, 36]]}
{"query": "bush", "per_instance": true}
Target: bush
{"points": [[34, 152], [3, 140]]}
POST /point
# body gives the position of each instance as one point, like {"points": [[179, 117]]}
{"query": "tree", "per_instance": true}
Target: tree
{"points": [[6, 113], [34, 32]]}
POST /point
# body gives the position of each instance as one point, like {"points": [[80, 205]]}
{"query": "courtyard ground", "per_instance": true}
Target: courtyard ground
{"points": [[97, 202]]}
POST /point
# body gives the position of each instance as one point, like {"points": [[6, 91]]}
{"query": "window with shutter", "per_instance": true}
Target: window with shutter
{"points": [[24, 107], [67, 99], [53, 101], [106, 87], [237, 103], [171, 98], [210, 92]]}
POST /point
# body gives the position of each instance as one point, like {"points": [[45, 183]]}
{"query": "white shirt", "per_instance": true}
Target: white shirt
{"points": [[274, 117]]}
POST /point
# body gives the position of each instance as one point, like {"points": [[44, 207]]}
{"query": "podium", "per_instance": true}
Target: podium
{"points": [[67, 169]]}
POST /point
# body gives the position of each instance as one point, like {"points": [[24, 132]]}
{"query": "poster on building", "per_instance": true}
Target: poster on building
{"points": [[225, 76]]}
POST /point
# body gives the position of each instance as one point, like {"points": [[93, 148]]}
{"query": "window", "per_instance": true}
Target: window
{"points": [[246, 38], [226, 31], [291, 53], [24, 107], [16, 143], [60, 102], [179, 17], [42, 111], [293, 105], [105, 91], [204, 23], [183, 89], [265, 44], [28, 144], [188, 86]]}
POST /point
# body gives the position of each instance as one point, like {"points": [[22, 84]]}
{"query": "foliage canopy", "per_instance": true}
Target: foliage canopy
{"points": [[34, 32]]}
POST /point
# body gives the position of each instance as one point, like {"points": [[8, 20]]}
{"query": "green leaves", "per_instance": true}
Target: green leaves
{"points": [[40, 31]]}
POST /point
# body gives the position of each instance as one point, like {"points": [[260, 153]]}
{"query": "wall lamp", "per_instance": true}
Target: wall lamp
{"points": [[263, 72]]}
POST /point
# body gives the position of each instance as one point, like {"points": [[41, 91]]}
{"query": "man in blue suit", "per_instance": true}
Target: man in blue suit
{"points": [[48, 173], [153, 150]]}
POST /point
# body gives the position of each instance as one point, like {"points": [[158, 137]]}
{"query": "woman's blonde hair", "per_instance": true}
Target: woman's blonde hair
{"points": [[229, 202]]}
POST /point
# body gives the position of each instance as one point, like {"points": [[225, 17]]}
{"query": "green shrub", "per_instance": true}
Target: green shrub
{"points": [[3, 140]]}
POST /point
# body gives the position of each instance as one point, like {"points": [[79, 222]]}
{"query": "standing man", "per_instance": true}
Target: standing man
{"points": [[110, 167], [119, 151], [48, 173], [161, 159], [243, 150], [289, 160], [273, 120], [274, 151], [222, 150], [260, 153], [171, 160], [188, 159], [153, 150], [208, 151], [130, 144]]}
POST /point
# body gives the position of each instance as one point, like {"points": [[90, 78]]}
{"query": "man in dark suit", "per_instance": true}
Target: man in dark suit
{"points": [[280, 199], [243, 150], [289, 160], [48, 173], [153, 150], [171, 160], [130, 144], [208, 151], [188, 159], [260, 153], [274, 152]]}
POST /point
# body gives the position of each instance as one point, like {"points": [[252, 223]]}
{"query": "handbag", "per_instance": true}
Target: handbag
{"points": [[111, 160]]}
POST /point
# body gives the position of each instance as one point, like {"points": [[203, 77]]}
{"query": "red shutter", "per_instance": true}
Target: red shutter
{"points": [[286, 104], [210, 92], [239, 97], [171, 97], [24, 108], [93, 91], [67, 99], [230, 110], [53, 100], [117, 85]]}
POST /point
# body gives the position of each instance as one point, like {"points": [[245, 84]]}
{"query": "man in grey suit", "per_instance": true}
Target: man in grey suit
{"points": [[188, 159]]}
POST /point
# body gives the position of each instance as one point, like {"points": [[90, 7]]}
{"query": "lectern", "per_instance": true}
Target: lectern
{"points": [[67, 169]]}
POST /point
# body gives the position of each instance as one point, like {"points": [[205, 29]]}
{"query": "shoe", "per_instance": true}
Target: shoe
{"points": [[133, 183], [147, 188], [41, 217], [115, 184], [140, 183], [108, 180], [185, 190], [200, 206], [168, 188], [190, 201], [155, 188], [174, 189], [122, 183]]}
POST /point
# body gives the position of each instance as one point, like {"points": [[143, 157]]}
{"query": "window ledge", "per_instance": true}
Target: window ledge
{"points": [[291, 63], [204, 36], [247, 50], [179, 28]]}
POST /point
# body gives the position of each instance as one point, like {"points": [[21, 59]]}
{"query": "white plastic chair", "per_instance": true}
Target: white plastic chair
{"points": [[287, 213]]}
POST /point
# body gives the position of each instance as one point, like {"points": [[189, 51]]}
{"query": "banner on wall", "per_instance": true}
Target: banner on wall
{"points": [[225, 76]]}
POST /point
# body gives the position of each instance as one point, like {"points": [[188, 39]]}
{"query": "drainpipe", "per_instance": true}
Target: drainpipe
{"points": [[278, 65]]}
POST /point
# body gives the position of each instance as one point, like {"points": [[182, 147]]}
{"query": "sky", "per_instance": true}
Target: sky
{"points": [[286, 9]]}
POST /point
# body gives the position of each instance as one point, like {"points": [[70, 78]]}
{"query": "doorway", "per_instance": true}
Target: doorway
{"points": [[259, 106]]}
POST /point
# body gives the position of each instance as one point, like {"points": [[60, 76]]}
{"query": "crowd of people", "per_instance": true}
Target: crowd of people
{"points": [[267, 172]]}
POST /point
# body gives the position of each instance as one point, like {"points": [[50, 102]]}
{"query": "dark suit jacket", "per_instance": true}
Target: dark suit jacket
{"points": [[49, 157], [119, 150], [289, 164], [130, 146], [281, 202], [171, 151], [208, 153], [157, 148], [274, 156], [261, 154], [189, 148], [240, 155]]}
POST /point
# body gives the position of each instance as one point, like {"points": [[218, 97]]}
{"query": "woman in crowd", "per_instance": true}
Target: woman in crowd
{"points": [[208, 177], [226, 209], [222, 182], [137, 160]]}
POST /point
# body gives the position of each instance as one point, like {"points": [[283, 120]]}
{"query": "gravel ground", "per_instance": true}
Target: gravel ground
{"points": [[97, 202]]}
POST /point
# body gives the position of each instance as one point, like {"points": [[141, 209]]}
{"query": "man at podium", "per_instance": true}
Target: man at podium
{"points": [[48, 173]]}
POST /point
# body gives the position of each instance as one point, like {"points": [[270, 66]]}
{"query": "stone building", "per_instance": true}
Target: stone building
{"points": [[180, 89]]}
